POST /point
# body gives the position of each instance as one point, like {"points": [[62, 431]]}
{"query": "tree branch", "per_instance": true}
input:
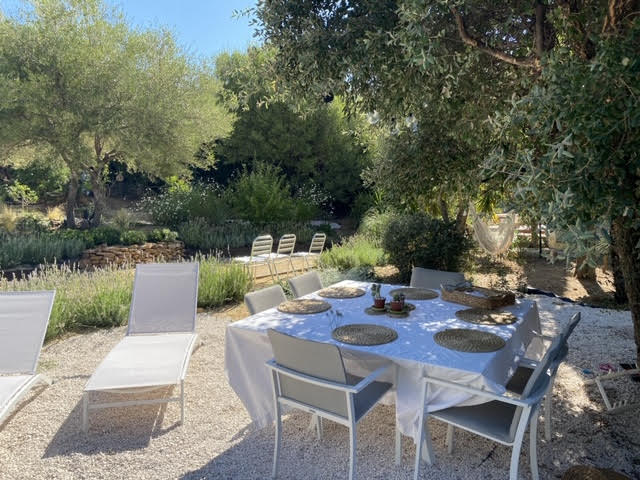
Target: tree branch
{"points": [[527, 62], [538, 41]]}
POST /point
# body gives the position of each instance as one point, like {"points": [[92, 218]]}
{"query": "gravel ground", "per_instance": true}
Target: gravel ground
{"points": [[42, 438]]}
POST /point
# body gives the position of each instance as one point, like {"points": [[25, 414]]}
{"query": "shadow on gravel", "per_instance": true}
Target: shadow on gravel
{"points": [[112, 430]]}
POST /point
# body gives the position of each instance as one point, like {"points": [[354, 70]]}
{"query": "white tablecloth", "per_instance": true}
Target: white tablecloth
{"points": [[415, 353]]}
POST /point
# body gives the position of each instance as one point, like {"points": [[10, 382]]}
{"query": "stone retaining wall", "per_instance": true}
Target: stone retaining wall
{"points": [[120, 255]]}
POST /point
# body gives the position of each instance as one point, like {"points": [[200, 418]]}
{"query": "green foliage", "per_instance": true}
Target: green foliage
{"points": [[42, 172], [21, 194], [375, 224], [422, 241], [221, 283], [355, 252], [36, 249], [104, 235], [162, 235], [32, 222], [133, 237], [122, 219]]}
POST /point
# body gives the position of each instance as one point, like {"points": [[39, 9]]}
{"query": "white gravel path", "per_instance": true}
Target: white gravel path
{"points": [[42, 439]]}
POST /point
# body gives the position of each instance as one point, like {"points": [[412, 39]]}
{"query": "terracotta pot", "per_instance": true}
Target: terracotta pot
{"points": [[396, 305], [379, 302]]}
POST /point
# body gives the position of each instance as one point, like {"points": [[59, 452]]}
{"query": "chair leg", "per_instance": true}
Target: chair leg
{"points": [[547, 415], [398, 445], [416, 468], [449, 439], [352, 452], [182, 402], [319, 426], [533, 451], [85, 412], [515, 458], [276, 448]]}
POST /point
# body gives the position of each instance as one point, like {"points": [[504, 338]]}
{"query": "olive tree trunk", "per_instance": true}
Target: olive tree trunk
{"points": [[99, 197], [72, 193], [626, 242]]}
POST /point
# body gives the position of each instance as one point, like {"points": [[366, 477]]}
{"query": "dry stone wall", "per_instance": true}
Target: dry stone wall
{"points": [[103, 255]]}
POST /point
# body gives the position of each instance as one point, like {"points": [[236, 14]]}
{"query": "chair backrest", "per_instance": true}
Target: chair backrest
{"points": [[570, 327], [165, 298], [317, 243], [262, 246], [427, 278], [286, 244], [305, 284], [315, 359], [264, 299], [24, 317]]}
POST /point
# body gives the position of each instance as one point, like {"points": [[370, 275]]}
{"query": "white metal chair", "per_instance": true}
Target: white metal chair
{"points": [[160, 337], [304, 284], [286, 245], [310, 376], [315, 249], [427, 278], [264, 299], [502, 418], [24, 317], [526, 368], [260, 254]]}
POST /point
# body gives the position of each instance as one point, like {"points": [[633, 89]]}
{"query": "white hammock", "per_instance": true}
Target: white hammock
{"points": [[494, 238]]}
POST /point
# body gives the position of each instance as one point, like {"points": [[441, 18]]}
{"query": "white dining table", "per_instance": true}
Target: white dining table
{"points": [[414, 353]]}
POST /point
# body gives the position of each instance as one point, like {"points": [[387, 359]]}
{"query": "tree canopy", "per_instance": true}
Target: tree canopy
{"points": [[76, 78]]}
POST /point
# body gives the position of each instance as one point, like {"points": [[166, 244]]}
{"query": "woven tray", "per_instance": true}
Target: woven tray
{"points": [[364, 334], [304, 306], [469, 341], [411, 293], [478, 297], [582, 472], [387, 311], [341, 292], [482, 316]]}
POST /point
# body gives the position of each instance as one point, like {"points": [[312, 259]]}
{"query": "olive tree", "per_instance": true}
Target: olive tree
{"points": [[77, 79]]}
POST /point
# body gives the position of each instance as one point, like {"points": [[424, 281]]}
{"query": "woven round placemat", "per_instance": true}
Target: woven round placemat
{"points": [[341, 292], [470, 341], [483, 316], [364, 334], [304, 306], [411, 293], [583, 472]]}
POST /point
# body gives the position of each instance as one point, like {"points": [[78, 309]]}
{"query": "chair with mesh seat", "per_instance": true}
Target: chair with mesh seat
{"points": [[24, 317], [315, 249], [526, 368], [310, 376], [160, 338], [305, 284], [264, 299], [428, 278], [503, 418]]}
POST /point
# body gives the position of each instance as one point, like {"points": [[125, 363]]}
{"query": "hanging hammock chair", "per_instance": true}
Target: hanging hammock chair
{"points": [[494, 238]]}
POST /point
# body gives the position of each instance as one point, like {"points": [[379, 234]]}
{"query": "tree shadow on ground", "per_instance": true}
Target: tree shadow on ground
{"points": [[112, 429]]}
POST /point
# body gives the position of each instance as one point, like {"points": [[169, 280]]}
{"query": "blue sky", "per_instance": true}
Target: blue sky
{"points": [[203, 27]]}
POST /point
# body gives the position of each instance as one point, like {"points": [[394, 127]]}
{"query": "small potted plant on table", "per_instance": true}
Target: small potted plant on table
{"points": [[397, 304]]}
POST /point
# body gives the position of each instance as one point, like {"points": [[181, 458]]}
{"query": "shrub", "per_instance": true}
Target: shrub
{"points": [[21, 194], [105, 235], [221, 283], [55, 216], [122, 219], [8, 219], [356, 252], [162, 235], [422, 241], [36, 249], [374, 224], [133, 237], [32, 222]]}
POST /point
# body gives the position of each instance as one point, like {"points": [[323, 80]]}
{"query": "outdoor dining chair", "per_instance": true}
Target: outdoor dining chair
{"points": [[315, 249], [427, 278], [24, 317], [260, 254], [286, 245], [502, 418], [304, 284], [526, 368], [264, 299], [161, 335], [310, 376]]}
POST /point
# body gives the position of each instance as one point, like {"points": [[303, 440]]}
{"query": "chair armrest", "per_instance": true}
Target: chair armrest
{"points": [[372, 377], [546, 338], [482, 393], [528, 362]]}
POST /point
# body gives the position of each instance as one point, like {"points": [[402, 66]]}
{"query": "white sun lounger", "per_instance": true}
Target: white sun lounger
{"points": [[24, 317], [161, 335]]}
